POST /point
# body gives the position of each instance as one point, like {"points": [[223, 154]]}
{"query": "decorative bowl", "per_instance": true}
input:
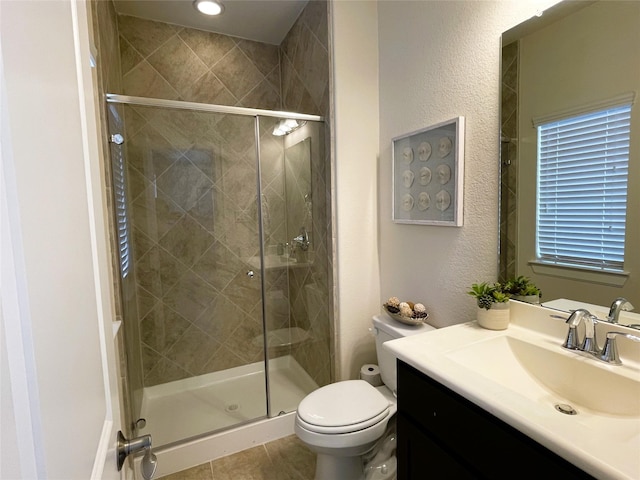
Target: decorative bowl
{"points": [[403, 319]]}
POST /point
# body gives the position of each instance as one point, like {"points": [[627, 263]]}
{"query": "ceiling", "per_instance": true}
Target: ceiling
{"points": [[266, 21]]}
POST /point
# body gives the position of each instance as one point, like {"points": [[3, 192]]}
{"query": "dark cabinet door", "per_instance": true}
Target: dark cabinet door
{"points": [[457, 431], [420, 457]]}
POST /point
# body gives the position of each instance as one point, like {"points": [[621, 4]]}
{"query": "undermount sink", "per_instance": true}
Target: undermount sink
{"points": [[583, 409]]}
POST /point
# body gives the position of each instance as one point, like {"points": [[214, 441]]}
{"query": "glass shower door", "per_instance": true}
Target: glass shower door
{"points": [[189, 183], [296, 267]]}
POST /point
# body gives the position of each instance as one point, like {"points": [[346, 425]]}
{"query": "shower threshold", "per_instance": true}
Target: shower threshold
{"points": [[194, 406]]}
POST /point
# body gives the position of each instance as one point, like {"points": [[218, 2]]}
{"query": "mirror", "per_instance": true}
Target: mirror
{"points": [[589, 52]]}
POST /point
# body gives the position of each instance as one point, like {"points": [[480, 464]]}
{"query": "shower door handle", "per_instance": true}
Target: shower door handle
{"points": [[125, 447]]}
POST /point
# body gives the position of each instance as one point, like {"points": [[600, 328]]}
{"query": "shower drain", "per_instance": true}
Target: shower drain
{"points": [[234, 407]]}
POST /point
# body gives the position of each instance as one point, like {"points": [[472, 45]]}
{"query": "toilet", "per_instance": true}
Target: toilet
{"points": [[343, 421]]}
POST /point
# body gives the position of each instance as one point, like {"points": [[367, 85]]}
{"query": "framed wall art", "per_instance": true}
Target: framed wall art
{"points": [[428, 175]]}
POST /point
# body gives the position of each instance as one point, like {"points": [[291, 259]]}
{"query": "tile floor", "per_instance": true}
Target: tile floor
{"points": [[283, 459]]}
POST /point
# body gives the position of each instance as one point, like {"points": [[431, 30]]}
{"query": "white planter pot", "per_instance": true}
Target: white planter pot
{"points": [[496, 318], [535, 299]]}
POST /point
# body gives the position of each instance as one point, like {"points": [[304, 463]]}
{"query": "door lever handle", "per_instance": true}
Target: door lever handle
{"points": [[125, 447]]}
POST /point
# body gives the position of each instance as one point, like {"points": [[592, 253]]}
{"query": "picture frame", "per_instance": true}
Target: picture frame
{"points": [[428, 175]]}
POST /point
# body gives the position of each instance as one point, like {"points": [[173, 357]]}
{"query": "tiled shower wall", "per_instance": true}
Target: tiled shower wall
{"points": [[177, 294], [199, 311], [160, 60], [192, 187], [509, 164], [304, 57]]}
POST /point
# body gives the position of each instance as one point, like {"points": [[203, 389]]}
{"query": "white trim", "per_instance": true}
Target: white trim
{"points": [[90, 152], [96, 208], [628, 98], [615, 279], [102, 451]]}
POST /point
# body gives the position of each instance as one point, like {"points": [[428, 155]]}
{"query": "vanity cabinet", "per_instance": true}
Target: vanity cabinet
{"points": [[443, 435]]}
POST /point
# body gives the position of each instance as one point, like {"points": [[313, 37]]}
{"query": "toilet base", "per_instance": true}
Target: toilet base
{"points": [[331, 467]]}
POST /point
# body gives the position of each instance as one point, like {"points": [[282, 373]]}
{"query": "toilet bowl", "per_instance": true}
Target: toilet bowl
{"points": [[342, 421]]}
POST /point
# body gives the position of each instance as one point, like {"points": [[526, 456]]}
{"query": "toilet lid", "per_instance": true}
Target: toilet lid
{"points": [[343, 403]]}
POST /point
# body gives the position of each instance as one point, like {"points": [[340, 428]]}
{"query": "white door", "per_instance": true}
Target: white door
{"points": [[60, 406]]}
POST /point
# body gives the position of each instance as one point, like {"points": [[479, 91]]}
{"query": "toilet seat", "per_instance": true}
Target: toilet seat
{"points": [[354, 427], [342, 407]]}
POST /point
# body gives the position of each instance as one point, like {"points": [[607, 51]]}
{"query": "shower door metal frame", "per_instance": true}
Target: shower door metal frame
{"points": [[252, 112], [206, 107]]}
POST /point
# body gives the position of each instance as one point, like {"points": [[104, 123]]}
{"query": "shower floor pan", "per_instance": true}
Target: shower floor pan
{"points": [[190, 407]]}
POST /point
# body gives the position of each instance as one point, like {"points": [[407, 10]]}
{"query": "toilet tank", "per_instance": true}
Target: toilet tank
{"points": [[386, 328]]}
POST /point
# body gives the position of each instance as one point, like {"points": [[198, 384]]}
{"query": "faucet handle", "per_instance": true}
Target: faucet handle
{"points": [[610, 350], [590, 344]]}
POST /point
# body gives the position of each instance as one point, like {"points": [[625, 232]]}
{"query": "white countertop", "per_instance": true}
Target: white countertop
{"points": [[605, 446]]}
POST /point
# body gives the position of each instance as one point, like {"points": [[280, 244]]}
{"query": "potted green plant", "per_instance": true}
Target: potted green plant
{"points": [[493, 305], [523, 289]]}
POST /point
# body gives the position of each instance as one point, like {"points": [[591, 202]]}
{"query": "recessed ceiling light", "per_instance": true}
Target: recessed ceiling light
{"points": [[208, 7]]}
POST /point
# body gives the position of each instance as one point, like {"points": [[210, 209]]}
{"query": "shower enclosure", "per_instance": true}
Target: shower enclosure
{"points": [[221, 217]]}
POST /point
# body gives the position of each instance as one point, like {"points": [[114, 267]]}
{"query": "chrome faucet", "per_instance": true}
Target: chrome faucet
{"points": [[589, 344], [620, 304], [610, 350], [573, 321]]}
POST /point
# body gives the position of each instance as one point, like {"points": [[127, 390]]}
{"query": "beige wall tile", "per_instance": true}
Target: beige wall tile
{"points": [[162, 328], [208, 46], [193, 350], [262, 96], [146, 36], [177, 64], [265, 57], [144, 81], [129, 56], [209, 89], [218, 266], [159, 369], [237, 73], [190, 296]]}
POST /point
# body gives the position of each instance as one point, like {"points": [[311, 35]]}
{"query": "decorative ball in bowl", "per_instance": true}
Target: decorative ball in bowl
{"points": [[406, 312]]}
